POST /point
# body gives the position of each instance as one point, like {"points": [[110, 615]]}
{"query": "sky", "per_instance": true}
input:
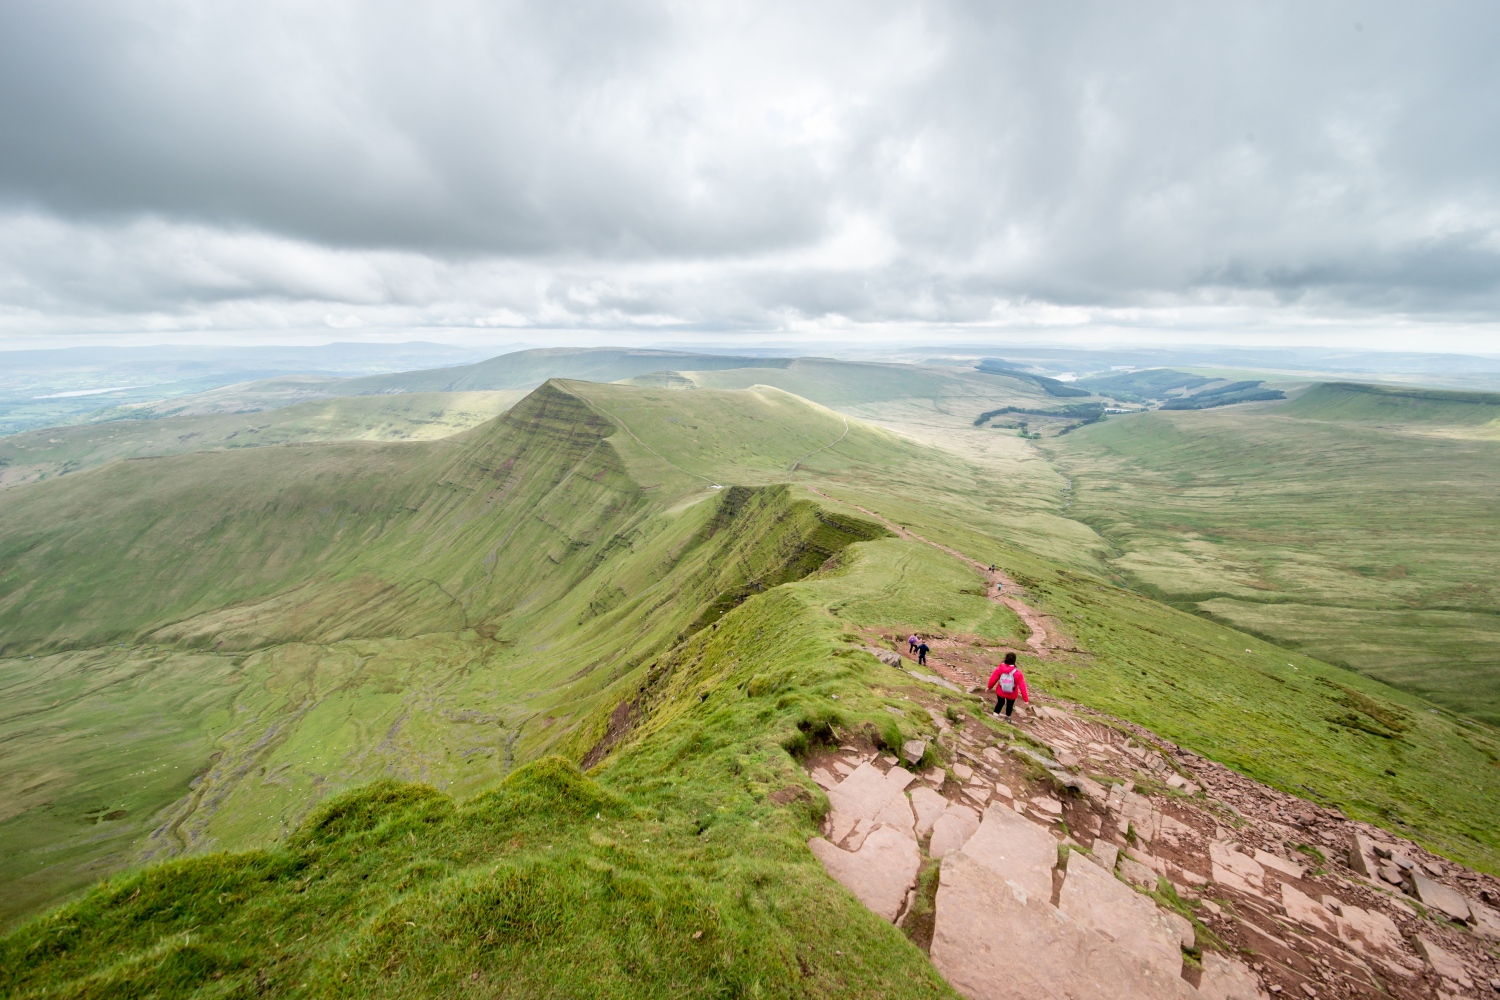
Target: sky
{"points": [[300, 171]]}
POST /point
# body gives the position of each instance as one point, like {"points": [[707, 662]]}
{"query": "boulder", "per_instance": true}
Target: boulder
{"points": [[1106, 855], [994, 940], [1097, 900], [952, 830], [1048, 805], [929, 805], [1445, 963], [963, 772], [1362, 857], [912, 751], [935, 776], [823, 778], [1017, 848], [1436, 896], [1227, 979], [879, 873]]}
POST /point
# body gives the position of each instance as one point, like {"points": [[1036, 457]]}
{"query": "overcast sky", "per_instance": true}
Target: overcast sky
{"points": [[301, 170]]}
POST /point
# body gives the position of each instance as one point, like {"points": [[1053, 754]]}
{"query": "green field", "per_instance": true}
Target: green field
{"points": [[55, 451], [1354, 524], [202, 651]]}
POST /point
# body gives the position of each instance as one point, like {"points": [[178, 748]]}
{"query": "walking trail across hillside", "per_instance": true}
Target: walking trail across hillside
{"points": [[1080, 856], [1002, 588]]}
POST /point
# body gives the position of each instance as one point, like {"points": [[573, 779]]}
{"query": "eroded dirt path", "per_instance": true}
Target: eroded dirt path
{"points": [[1042, 639]]}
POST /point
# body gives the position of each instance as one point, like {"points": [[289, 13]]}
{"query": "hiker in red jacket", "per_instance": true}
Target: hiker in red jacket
{"points": [[1008, 683]]}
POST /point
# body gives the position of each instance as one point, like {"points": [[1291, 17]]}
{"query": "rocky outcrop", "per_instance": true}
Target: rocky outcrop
{"points": [[1299, 900]]}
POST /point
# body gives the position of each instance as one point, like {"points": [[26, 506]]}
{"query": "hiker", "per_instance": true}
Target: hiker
{"points": [[922, 653], [1008, 683], [911, 644]]}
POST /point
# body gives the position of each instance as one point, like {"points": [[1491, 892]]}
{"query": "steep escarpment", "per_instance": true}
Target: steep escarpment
{"points": [[470, 614]]}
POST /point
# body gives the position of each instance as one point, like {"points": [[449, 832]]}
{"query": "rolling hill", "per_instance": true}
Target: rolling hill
{"points": [[324, 616], [519, 370], [1351, 523]]}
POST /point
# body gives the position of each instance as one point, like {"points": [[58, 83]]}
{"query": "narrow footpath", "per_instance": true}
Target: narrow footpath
{"points": [[1002, 589]]}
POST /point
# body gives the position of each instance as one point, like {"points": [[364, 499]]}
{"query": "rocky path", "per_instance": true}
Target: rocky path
{"points": [[1080, 856], [1002, 589]]}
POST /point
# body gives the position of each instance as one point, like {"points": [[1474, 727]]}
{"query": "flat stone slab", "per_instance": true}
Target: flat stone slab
{"points": [[879, 873], [1228, 979], [1445, 963], [1307, 911], [1017, 848], [952, 830], [1097, 900], [897, 814], [1106, 855], [1436, 896], [1268, 860], [1234, 870], [1138, 812], [929, 805], [862, 796], [1369, 932], [995, 940], [1136, 873], [1486, 922]]}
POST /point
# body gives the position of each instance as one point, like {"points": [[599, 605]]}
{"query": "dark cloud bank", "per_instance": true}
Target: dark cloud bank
{"points": [[861, 169]]}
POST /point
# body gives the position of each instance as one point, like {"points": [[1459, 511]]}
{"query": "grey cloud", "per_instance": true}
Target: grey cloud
{"points": [[591, 163]]}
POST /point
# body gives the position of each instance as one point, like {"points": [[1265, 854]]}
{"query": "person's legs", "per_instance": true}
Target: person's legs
{"points": [[999, 704], [1010, 704]]}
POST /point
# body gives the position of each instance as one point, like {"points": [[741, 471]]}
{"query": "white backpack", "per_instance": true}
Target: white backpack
{"points": [[1008, 681]]}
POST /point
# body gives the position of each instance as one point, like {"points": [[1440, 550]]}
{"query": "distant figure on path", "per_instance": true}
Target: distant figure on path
{"points": [[922, 653], [911, 643], [1008, 683]]}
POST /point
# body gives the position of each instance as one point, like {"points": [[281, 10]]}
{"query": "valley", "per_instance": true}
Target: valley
{"points": [[346, 679], [1352, 525]]}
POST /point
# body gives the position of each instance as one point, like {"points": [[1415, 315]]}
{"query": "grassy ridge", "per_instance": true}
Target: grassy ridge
{"points": [[621, 559], [680, 865], [391, 636]]}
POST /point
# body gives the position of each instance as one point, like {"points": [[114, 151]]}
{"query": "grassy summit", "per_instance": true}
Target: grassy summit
{"points": [[346, 689]]}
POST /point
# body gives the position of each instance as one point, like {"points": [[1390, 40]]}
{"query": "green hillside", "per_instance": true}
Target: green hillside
{"points": [[1352, 401], [604, 573], [1353, 524], [56, 451]]}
